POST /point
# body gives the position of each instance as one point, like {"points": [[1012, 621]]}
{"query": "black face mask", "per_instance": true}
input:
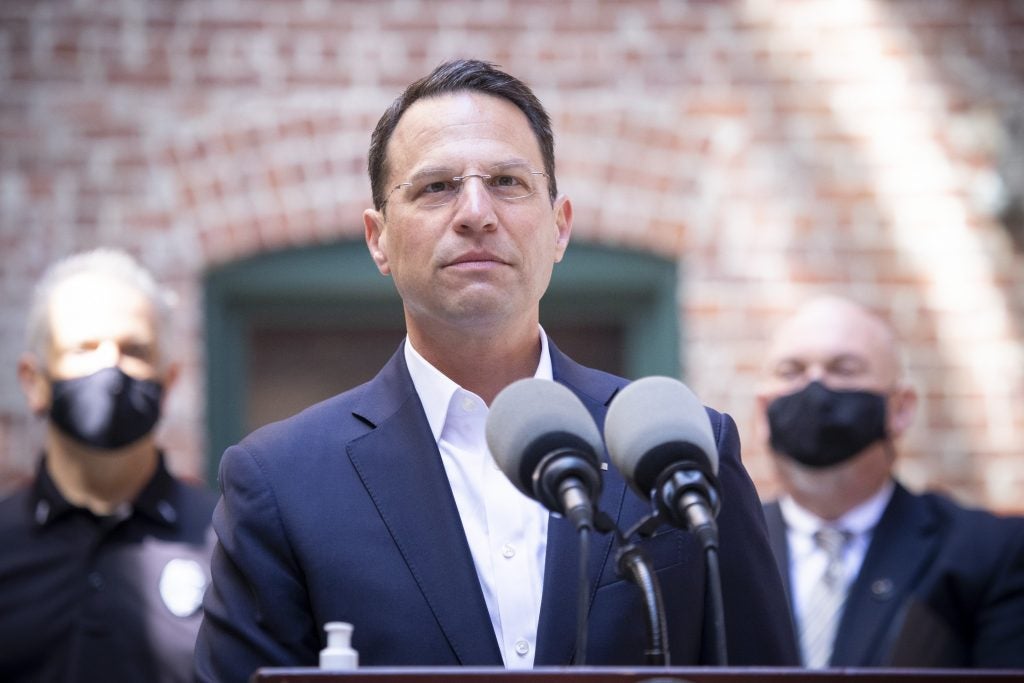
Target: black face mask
{"points": [[819, 427], [107, 409]]}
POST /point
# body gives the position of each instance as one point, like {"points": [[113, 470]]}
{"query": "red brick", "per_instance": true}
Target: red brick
{"points": [[803, 165]]}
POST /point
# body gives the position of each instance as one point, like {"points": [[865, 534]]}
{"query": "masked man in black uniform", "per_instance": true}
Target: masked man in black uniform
{"points": [[105, 555]]}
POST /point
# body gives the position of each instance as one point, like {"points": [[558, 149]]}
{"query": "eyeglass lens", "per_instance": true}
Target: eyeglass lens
{"points": [[432, 191]]}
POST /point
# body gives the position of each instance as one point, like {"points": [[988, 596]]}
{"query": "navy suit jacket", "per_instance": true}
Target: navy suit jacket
{"points": [[344, 513], [941, 586]]}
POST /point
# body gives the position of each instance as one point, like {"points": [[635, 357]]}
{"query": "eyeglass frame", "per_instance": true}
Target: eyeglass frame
{"points": [[459, 181]]}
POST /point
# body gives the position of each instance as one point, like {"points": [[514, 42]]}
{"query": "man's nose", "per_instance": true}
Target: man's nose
{"points": [[474, 203], [816, 373], [108, 353]]}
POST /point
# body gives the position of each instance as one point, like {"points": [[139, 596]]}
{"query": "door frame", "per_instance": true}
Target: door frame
{"points": [[338, 283]]}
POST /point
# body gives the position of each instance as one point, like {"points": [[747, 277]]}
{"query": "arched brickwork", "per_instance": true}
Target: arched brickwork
{"points": [[776, 149]]}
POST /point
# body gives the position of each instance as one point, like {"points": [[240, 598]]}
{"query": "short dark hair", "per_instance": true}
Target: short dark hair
{"points": [[456, 76]]}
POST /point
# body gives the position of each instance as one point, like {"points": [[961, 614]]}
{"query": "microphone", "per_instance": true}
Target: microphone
{"points": [[546, 442], [659, 436]]}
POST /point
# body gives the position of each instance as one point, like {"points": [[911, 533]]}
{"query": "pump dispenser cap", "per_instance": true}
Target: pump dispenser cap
{"points": [[338, 655]]}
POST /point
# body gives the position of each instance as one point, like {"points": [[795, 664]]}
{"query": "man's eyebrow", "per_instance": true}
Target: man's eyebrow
{"points": [[849, 358], [430, 171], [511, 163], [787, 361]]}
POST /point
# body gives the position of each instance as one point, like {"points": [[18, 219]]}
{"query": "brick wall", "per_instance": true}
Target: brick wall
{"points": [[774, 148]]}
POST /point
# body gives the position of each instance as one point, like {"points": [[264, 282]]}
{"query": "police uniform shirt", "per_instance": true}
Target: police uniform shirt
{"points": [[115, 598]]}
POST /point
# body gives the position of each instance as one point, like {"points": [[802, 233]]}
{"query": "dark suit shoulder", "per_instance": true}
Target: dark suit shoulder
{"points": [[948, 508], [327, 424], [971, 575], [336, 420], [984, 533], [601, 387]]}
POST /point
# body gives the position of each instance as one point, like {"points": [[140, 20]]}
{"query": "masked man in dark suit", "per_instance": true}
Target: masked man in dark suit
{"points": [[382, 507], [909, 580]]}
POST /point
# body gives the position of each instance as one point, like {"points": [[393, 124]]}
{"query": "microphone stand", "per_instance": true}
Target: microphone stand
{"points": [[714, 606], [579, 658], [567, 483]]}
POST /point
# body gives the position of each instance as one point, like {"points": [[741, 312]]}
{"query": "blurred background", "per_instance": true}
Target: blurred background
{"points": [[726, 160]]}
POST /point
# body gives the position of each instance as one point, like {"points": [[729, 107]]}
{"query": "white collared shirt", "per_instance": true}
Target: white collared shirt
{"points": [[807, 561], [507, 532]]}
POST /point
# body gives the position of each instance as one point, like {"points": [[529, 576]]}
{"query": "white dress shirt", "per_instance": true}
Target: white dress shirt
{"points": [[507, 532], [807, 561]]}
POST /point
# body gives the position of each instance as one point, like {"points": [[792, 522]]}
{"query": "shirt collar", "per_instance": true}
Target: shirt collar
{"points": [[436, 390], [859, 520], [154, 501]]}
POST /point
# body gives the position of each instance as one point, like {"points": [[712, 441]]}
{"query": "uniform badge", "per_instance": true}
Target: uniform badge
{"points": [[182, 585]]}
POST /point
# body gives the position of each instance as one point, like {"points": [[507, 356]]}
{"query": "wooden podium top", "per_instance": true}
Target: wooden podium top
{"points": [[632, 675]]}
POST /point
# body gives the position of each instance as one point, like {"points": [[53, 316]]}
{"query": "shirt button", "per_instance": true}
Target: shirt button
{"points": [[167, 511], [42, 512], [522, 647], [468, 405], [96, 580], [508, 551]]}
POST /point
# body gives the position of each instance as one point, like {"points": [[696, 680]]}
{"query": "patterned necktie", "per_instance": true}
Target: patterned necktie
{"points": [[825, 602]]}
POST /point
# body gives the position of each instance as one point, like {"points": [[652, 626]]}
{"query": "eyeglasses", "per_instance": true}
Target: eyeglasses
{"points": [[430, 192]]}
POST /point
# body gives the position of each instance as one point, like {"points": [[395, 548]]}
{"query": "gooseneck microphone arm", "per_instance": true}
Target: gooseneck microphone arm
{"points": [[564, 481], [633, 565], [687, 498], [632, 562]]}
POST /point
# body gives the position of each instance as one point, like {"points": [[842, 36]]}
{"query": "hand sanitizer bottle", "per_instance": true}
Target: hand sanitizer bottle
{"points": [[338, 655]]}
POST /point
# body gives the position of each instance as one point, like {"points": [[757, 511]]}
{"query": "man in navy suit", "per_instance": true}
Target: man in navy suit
{"points": [[382, 506], [926, 582]]}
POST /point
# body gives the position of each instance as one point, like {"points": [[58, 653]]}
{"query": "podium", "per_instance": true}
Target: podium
{"points": [[633, 675]]}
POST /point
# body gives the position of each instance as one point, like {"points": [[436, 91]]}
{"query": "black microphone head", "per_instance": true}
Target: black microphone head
{"points": [[532, 418], [655, 423]]}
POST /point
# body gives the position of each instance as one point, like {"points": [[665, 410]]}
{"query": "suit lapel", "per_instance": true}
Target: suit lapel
{"points": [[779, 545], [901, 547], [556, 631], [399, 464]]}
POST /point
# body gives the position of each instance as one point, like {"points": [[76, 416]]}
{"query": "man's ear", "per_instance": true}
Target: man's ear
{"points": [[376, 242], [563, 225], [34, 383], [170, 377], [901, 409], [762, 431]]}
